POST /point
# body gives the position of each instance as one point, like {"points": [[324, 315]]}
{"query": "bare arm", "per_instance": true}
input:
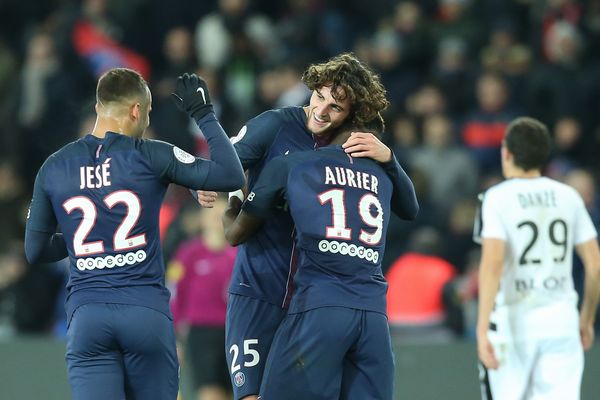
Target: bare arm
{"points": [[589, 253], [490, 271], [239, 226]]}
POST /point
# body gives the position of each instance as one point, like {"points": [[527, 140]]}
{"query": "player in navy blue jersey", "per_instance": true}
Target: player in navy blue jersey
{"points": [[104, 191], [344, 91], [336, 329]]}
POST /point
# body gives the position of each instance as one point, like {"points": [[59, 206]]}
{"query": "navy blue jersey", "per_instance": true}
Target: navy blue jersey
{"points": [[105, 194], [262, 265], [341, 208]]}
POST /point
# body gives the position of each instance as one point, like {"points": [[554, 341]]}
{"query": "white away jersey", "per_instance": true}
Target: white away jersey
{"points": [[541, 220]]}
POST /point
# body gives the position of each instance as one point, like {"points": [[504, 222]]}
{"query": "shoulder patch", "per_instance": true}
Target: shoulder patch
{"points": [[183, 156]]}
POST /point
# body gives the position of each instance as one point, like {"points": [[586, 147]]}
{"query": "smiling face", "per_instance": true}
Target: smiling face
{"points": [[324, 112]]}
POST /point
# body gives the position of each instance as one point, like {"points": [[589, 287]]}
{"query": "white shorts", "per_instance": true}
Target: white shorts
{"points": [[544, 369]]}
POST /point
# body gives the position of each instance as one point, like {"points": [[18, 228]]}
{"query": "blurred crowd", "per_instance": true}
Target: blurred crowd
{"points": [[456, 72]]}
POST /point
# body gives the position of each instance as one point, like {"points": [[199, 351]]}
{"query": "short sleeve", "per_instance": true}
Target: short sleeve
{"points": [[491, 220], [584, 229]]}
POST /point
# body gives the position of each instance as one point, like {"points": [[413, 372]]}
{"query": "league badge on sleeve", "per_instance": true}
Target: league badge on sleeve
{"points": [[183, 156]]}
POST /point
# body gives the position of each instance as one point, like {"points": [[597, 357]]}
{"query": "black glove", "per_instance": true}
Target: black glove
{"points": [[191, 96]]}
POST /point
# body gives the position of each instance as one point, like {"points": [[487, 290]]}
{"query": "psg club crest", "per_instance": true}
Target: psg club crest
{"points": [[239, 379]]}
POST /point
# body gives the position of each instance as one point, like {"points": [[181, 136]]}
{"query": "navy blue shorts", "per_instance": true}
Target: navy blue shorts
{"points": [[249, 331], [330, 353], [118, 351]]}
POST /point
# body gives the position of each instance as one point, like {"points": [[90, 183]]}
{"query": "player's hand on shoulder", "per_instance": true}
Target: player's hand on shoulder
{"points": [[191, 96], [207, 199], [366, 144]]}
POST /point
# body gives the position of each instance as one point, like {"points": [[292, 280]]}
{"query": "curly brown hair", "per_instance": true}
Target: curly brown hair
{"points": [[358, 82]]}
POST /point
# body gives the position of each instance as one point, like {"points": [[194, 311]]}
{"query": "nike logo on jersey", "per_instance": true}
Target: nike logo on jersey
{"points": [[244, 284], [201, 92], [286, 153]]}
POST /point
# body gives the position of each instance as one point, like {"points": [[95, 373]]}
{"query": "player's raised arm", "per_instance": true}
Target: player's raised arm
{"points": [[223, 171]]}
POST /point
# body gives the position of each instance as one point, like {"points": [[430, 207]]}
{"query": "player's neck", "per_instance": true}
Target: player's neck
{"points": [[519, 173], [104, 125], [341, 137]]}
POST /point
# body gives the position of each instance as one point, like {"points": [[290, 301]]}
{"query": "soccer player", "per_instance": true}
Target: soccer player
{"points": [[343, 91], [336, 328], [104, 191], [530, 336]]}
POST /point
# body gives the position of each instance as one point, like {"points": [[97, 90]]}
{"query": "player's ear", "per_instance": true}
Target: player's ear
{"points": [[135, 112], [504, 152]]}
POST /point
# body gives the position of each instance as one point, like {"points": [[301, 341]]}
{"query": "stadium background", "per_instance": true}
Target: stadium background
{"points": [[456, 72]]}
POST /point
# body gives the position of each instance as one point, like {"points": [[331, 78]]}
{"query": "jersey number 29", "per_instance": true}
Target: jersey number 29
{"points": [[557, 232]]}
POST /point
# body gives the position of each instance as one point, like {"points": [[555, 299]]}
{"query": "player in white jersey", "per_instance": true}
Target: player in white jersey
{"points": [[530, 335]]}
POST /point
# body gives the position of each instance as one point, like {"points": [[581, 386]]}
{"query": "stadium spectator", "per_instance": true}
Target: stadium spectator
{"points": [[169, 124], [456, 19], [569, 150], [460, 228], [96, 38], [555, 88], [483, 128], [453, 74], [404, 136], [450, 170], [427, 99], [42, 104], [505, 55], [219, 34], [415, 303], [8, 86]]}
